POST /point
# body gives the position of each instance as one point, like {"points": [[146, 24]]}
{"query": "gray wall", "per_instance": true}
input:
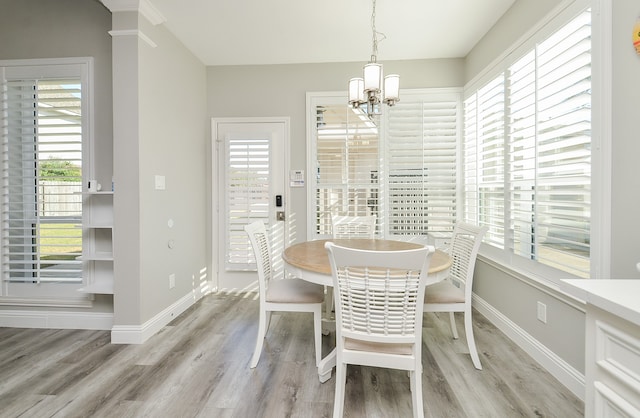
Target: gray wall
{"points": [[173, 143], [625, 141], [520, 17], [160, 130]]}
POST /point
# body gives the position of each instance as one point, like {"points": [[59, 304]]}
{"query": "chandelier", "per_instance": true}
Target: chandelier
{"points": [[369, 89]]}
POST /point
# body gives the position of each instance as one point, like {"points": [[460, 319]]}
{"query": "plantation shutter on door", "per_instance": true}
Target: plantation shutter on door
{"points": [[247, 195]]}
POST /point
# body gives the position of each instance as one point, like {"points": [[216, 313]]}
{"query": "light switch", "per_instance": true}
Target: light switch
{"points": [[160, 183]]}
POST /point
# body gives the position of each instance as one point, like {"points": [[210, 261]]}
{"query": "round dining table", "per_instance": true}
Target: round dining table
{"points": [[309, 261]]}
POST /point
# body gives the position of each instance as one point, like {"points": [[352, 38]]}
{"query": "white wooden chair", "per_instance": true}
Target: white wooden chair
{"points": [[454, 293], [353, 226], [285, 295], [378, 299]]}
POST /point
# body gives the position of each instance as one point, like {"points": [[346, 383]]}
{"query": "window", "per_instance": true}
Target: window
{"points": [[527, 145], [402, 169], [44, 112]]}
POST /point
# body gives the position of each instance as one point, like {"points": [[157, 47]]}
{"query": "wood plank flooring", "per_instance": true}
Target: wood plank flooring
{"points": [[198, 366]]}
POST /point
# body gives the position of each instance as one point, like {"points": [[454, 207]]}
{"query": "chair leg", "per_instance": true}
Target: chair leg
{"points": [[317, 332], [454, 329], [341, 381], [268, 323], [416, 393], [263, 325], [328, 301], [468, 329]]}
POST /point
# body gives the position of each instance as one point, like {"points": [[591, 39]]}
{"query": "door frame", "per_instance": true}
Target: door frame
{"points": [[216, 173]]}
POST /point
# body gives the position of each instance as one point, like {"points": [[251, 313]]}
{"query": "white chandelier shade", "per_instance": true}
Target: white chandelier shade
{"points": [[392, 89], [372, 77]]}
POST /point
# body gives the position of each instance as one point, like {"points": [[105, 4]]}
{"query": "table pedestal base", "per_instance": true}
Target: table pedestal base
{"points": [[328, 326], [326, 366]]}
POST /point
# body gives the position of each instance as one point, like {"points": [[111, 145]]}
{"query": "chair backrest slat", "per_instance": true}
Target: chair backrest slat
{"points": [[379, 294], [464, 248], [353, 226], [260, 242]]}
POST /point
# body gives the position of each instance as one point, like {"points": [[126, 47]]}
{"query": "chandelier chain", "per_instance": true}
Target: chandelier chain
{"points": [[375, 34]]}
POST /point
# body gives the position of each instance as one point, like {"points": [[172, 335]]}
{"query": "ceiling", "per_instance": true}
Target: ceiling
{"points": [[248, 32]]}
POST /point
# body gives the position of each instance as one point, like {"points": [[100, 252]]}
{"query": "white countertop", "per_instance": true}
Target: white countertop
{"points": [[620, 297]]}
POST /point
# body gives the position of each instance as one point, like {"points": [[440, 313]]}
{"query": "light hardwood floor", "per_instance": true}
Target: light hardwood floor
{"points": [[198, 366]]}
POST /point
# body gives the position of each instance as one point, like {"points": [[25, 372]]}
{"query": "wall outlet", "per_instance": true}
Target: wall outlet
{"points": [[542, 312], [172, 281]]}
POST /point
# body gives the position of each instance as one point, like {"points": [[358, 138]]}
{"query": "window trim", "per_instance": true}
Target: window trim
{"points": [[601, 129], [60, 66]]}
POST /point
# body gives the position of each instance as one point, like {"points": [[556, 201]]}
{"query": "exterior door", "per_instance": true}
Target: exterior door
{"points": [[250, 162]]}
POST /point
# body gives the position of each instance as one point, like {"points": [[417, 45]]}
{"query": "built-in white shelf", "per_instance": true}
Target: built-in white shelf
{"points": [[98, 288], [98, 256], [97, 238]]}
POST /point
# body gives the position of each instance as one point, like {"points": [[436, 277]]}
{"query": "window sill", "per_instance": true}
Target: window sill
{"points": [[547, 285], [48, 303]]}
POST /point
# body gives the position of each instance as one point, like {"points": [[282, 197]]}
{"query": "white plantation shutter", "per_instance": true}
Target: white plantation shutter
{"points": [[484, 159], [247, 195], [42, 173], [554, 149], [347, 167], [538, 115], [522, 153], [470, 160], [421, 160]]}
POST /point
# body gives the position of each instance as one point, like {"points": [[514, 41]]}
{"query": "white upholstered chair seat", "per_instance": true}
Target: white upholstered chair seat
{"points": [[444, 292], [387, 348], [294, 291]]}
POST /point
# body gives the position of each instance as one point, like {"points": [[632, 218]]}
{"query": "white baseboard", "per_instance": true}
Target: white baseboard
{"points": [[138, 334], [557, 367], [56, 319]]}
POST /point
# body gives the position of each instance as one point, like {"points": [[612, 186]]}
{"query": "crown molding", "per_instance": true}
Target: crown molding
{"points": [[133, 32], [144, 7]]}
